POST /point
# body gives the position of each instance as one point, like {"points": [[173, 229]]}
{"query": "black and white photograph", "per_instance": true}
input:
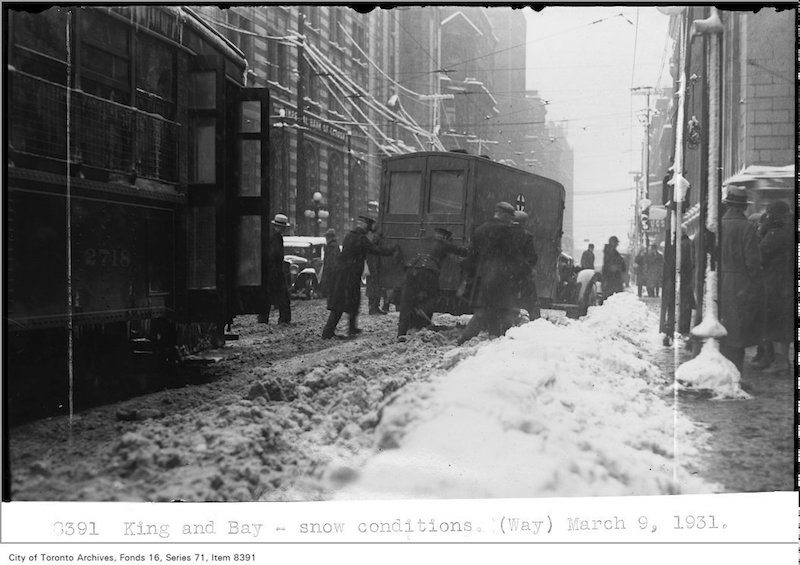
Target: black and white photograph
{"points": [[294, 253]]}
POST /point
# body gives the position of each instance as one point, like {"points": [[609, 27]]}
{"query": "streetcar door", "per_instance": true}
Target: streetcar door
{"points": [[445, 205], [205, 261], [401, 212], [249, 197]]}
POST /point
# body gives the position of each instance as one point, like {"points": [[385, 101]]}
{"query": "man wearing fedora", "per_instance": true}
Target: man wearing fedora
{"points": [[421, 284], [345, 295], [740, 274], [277, 289]]}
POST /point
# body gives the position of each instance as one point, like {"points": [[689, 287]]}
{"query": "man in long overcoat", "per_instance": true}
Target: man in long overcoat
{"points": [[277, 288], [613, 268], [329, 263], [523, 271], [740, 268], [490, 261], [777, 260], [421, 284], [345, 296]]}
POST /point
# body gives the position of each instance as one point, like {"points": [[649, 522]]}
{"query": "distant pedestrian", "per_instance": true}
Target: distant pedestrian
{"points": [[740, 296], [277, 286], [345, 296], [421, 284], [613, 268], [489, 264], [587, 258], [329, 264], [778, 263], [651, 270], [687, 284]]}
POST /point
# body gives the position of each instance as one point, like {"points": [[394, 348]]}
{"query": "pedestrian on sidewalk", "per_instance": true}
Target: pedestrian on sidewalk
{"points": [[777, 261], [613, 268], [587, 258], [740, 272], [345, 296]]}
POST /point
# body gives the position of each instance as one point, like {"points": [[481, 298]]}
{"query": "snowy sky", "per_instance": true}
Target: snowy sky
{"points": [[584, 61]]}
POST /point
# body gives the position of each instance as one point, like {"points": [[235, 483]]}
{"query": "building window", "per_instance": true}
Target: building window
{"points": [[360, 37], [336, 32], [336, 187], [104, 57], [278, 53]]}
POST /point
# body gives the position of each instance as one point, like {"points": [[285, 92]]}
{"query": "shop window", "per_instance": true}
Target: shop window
{"points": [[201, 248], [404, 192], [447, 192]]}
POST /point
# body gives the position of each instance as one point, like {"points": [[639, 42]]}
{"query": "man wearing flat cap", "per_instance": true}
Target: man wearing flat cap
{"points": [[491, 260], [740, 278], [345, 295], [277, 288], [421, 285]]}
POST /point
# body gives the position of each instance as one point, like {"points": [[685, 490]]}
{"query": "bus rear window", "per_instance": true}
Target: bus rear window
{"points": [[404, 192], [447, 192]]}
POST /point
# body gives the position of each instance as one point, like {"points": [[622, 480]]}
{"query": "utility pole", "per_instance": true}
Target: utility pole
{"points": [[646, 120], [300, 176]]}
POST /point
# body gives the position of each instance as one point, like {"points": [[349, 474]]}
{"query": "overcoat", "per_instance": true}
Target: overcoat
{"points": [[345, 293], [494, 255], [740, 283], [777, 261]]}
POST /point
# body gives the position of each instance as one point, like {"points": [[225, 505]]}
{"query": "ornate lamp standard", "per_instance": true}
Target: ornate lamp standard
{"points": [[317, 213]]}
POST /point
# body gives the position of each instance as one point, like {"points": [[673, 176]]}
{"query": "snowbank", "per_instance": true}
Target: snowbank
{"points": [[554, 408]]}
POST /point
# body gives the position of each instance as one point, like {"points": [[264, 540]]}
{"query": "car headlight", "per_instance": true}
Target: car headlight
{"points": [[294, 269]]}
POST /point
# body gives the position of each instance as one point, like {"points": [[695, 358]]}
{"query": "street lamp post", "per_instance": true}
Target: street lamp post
{"points": [[317, 213]]}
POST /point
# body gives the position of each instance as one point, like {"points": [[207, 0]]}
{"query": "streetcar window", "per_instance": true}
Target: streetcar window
{"points": [[447, 192], [202, 157], [248, 255], [250, 167], [41, 44], [155, 77], [201, 248], [404, 192], [202, 91]]}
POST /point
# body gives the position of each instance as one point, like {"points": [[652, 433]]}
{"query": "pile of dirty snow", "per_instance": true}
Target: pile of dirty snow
{"points": [[554, 408]]}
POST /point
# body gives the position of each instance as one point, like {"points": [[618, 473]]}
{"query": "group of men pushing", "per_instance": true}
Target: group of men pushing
{"points": [[498, 269]]}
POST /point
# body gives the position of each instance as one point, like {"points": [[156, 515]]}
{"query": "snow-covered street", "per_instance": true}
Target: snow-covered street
{"points": [[557, 407]]}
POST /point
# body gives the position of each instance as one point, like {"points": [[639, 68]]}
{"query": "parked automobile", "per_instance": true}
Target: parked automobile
{"points": [[305, 257]]}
